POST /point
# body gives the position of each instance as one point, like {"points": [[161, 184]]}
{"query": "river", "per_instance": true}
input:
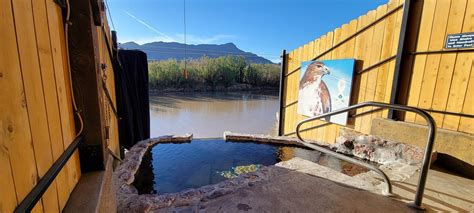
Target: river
{"points": [[208, 115]]}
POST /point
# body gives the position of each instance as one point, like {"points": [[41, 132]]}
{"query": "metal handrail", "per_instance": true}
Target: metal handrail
{"points": [[426, 158], [29, 202]]}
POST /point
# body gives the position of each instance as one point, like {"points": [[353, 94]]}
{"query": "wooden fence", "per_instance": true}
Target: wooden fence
{"points": [[444, 82], [111, 120], [36, 114], [441, 82]]}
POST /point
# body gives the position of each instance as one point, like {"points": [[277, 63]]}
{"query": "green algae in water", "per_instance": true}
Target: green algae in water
{"points": [[238, 170]]}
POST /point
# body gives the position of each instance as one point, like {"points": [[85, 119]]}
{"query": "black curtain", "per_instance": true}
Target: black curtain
{"points": [[131, 85]]}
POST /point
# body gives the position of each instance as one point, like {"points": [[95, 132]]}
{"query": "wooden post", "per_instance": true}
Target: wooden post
{"points": [[97, 6], [282, 89], [84, 59], [404, 61]]}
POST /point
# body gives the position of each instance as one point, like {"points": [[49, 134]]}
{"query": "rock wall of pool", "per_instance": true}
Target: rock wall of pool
{"points": [[176, 171]]}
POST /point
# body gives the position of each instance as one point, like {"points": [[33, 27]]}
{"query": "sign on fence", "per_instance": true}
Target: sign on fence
{"points": [[461, 40], [325, 86]]}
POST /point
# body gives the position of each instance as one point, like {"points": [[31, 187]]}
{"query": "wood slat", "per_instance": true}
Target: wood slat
{"points": [[50, 96], [347, 51], [110, 82], [467, 124], [325, 45], [321, 134], [459, 85], [297, 117], [367, 49], [388, 45], [73, 165], [15, 138], [447, 62], [32, 83], [315, 52], [56, 31], [375, 56], [288, 83], [289, 88], [424, 36], [358, 55], [308, 57], [391, 70], [304, 57], [330, 130], [433, 61]]}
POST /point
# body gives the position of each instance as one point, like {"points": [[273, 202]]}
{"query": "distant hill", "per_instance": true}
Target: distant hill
{"points": [[173, 50]]}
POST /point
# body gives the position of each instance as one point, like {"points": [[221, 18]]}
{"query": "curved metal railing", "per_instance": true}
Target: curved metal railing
{"points": [[426, 158]]}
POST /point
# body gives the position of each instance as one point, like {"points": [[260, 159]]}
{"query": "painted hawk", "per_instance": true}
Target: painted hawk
{"points": [[314, 98]]}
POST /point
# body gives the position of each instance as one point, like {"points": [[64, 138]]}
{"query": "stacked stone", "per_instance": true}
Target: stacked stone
{"points": [[376, 149]]}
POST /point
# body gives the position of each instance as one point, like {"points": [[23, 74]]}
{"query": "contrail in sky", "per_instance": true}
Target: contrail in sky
{"points": [[148, 26]]}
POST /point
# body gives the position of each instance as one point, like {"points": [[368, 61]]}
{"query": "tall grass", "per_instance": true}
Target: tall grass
{"points": [[211, 72]]}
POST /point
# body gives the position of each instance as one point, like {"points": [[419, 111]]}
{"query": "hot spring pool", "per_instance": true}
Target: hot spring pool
{"points": [[173, 167]]}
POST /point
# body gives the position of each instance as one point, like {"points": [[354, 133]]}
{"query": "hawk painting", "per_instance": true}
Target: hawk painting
{"points": [[314, 97]]}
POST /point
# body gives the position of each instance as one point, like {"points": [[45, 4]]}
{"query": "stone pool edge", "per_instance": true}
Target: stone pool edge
{"points": [[350, 142], [261, 138], [128, 199]]}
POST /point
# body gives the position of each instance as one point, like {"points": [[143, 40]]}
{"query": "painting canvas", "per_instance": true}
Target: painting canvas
{"points": [[325, 85]]}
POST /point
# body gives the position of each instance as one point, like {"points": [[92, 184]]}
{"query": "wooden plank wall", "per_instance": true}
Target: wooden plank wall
{"points": [[108, 74], [37, 119], [442, 82], [370, 46]]}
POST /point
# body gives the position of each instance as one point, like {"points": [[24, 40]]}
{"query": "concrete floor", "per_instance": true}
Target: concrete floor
{"points": [[444, 192], [303, 186], [294, 191], [94, 192]]}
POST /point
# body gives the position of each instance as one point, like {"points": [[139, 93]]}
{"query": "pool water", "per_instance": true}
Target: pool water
{"points": [[173, 167]]}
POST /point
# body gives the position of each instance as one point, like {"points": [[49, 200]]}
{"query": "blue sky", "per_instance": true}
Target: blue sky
{"points": [[264, 27]]}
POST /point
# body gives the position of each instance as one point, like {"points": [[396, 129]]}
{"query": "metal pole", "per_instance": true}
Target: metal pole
{"points": [[401, 53], [417, 203], [281, 92]]}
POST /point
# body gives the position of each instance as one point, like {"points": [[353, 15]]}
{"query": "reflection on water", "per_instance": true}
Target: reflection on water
{"points": [[210, 114], [175, 167]]}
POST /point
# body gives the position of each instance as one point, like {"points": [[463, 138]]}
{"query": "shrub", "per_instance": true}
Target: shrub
{"points": [[224, 71]]}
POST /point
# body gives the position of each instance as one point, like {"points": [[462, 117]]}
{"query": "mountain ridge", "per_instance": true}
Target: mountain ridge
{"points": [[160, 50]]}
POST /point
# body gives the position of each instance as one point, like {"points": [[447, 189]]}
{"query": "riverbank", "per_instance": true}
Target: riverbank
{"points": [[230, 73], [233, 88]]}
